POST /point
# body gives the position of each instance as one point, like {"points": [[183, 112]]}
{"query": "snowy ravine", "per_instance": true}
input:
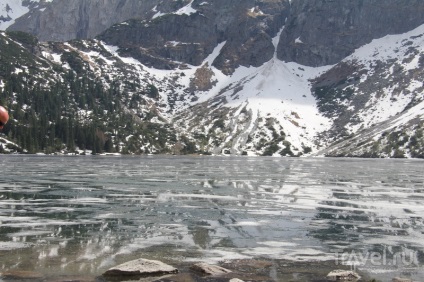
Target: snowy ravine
{"points": [[274, 98]]}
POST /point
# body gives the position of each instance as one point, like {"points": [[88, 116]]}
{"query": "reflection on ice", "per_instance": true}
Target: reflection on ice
{"points": [[86, 214]]}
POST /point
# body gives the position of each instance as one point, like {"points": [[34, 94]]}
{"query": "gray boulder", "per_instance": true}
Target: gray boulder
{"points": [[343, 275], [209, 269], [141, 267]]}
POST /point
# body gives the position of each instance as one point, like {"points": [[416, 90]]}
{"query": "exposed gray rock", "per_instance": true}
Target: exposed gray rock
{"points": [[252, 46], [159, 37], [63, 20], [209, 269], [343, 275], [173, 38], [141, 267], [247, 26], [22, 275], [316, 32], [322, 32], [203, 79]]}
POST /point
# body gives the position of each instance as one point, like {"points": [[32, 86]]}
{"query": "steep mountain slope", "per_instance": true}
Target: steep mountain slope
{"points": [[321, 32], [59, 101], [63, 20], [189, 35], [376, 96], [254, 111]]}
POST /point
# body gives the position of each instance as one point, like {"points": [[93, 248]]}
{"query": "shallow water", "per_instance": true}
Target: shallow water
{"points": [[82, 215]]}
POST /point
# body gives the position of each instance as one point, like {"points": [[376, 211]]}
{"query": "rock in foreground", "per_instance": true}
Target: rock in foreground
{"points": [[343, 275], [141, 267], [209, 269], [21, 275]]}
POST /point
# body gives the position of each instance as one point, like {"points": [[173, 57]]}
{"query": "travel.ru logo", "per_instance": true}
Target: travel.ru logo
{"points": [[404, 259]]}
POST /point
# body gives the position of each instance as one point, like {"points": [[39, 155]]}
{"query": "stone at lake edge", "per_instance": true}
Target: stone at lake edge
{"points": [[343, 275], [235, 280], [21, 275], [209, 269], [399, 279], [141, 267]]}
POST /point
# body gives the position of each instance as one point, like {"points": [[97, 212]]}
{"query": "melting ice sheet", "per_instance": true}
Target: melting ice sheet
{"points": [[85, 214]]}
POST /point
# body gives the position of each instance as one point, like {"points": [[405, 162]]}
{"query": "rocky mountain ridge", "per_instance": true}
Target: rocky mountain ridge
{"points": [[250, 77]]}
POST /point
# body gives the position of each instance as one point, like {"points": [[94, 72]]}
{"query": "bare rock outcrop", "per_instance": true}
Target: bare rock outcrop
{"points": [[209, 269], [141, 267], [343, 275], [321, 32]]}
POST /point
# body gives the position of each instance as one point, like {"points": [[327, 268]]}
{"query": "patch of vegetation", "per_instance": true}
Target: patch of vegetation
{"points": [[62, 110], [328, 97], [75, 61], [189, 147], [287, 152], [220, 123], [152, 92], [271, 150], [26, 39]]}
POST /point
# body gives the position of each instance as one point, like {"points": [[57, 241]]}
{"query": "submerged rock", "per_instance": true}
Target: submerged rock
{"points": [[399, 279], [209, 269], [141, 267], [21, 275], [343, 275], [247, 263]]}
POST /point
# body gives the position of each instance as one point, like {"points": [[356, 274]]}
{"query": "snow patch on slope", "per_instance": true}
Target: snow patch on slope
{"points": [[289, 100], [416, 112], [403, 52], [276, 89], [186, 10], [389, 47]]}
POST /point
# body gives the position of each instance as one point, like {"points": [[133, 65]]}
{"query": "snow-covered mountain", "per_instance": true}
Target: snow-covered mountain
{"points": [[245, 77], [378, 98]]}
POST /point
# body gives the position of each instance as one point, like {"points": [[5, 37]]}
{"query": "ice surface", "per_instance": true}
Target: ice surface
{"points": [[89, 211]]}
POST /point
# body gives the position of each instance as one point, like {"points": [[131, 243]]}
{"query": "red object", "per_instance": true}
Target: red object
{"points": [[4, 117]]}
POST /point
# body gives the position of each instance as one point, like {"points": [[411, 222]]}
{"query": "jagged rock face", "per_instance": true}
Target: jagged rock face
{"points": [[160, 36], [316, 32], [321, 32], [181, 38], [249, 40], [63, 20], [246, 26]]}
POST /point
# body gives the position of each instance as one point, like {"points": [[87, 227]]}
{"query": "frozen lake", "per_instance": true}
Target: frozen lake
{"points": [[85, 214]]}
